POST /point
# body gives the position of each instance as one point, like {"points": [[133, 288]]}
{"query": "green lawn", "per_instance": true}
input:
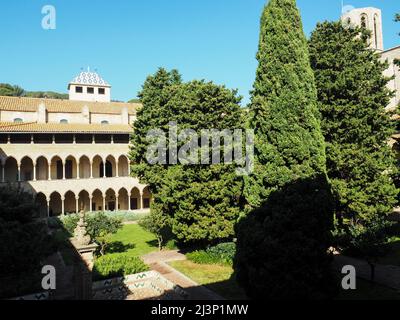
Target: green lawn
{"points": [[218, 278], [134, 240]]}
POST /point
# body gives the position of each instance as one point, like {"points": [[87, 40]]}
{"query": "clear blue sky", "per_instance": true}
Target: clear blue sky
{"points": [[128, 39]]}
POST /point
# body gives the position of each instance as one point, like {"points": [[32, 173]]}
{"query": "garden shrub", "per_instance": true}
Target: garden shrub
{"points": [[222, 253], [117, 265]]}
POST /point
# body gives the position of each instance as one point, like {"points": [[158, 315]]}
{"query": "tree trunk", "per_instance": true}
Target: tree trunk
{"points": [[159, 243]]}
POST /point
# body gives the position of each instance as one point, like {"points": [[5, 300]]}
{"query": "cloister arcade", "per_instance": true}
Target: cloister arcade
{"points": [[96, 200], [63, 167], [67, 184]]}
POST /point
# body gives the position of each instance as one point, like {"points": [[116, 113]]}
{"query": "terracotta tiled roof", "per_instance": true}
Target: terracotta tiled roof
{"points": [[68, 106], [33, 127]]}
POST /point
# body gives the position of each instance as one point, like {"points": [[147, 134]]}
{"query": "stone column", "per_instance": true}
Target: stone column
{"points": [[62, 205], [116, 169], [32, 140], [49, 173], [141, 201], [91, 169], [90, 203], [129, 202], [48, 208], [77, 169], [34, 171], [116, 203], [104, 168], [19, 172], [63, 164], [104, 202], [77, 204]]}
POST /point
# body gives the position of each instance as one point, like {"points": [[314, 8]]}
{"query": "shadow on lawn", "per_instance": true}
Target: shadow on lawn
{"points": [[118, 247]]}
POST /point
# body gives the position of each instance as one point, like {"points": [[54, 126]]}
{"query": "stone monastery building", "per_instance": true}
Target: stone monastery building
{"points": [[72, 154]]}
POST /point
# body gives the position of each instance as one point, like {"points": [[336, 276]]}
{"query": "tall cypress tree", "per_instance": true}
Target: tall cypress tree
{"points": [[353, 94], [282, 246]]}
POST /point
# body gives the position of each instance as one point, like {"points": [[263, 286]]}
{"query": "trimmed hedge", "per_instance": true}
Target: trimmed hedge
{"points": [[117, 265], [222, 253]]}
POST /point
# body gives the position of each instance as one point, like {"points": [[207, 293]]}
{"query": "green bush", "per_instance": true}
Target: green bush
{"points": [[69, 222], [222, 253], [117, 265]]}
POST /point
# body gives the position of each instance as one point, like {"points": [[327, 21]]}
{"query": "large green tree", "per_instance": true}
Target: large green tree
{"points": [[353, 94], [201, 202], [282, 245]]}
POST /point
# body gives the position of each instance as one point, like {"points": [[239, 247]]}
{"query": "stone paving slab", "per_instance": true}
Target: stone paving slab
{"points": [[165, 256], [195, 290]]}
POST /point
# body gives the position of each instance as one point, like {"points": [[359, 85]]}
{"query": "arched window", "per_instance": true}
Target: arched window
{"points": [[18, 120], [375, 31], [364, 23], [64, 121], [104, 122]]}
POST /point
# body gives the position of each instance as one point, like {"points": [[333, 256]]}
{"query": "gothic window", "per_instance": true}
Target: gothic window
{"points": [[375, 31], [364, 21]]}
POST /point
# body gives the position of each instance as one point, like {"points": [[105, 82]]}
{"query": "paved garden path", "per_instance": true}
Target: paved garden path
{"points": [[157, 261], [385, 275]]}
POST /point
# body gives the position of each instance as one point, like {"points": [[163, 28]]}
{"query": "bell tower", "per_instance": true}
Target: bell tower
{"points": [[369, 18]]}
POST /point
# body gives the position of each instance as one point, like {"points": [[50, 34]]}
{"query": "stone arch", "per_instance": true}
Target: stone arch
{"points": [[364, 21], [26, 169], [123, 198], [41, 201], [71, 166], [55, 208], [123, 166], [42, 168], [97, 200], [84, 201], [146, 198], [70, 202], [110, 167], [56, 168], [84, 167], [375, 30], [110, 196], [11, 170], [135, 199], [96, 164]]}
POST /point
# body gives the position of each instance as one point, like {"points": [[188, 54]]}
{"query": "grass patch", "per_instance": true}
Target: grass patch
{"points": [[218, 278], [369, 291], [133, 240]]}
